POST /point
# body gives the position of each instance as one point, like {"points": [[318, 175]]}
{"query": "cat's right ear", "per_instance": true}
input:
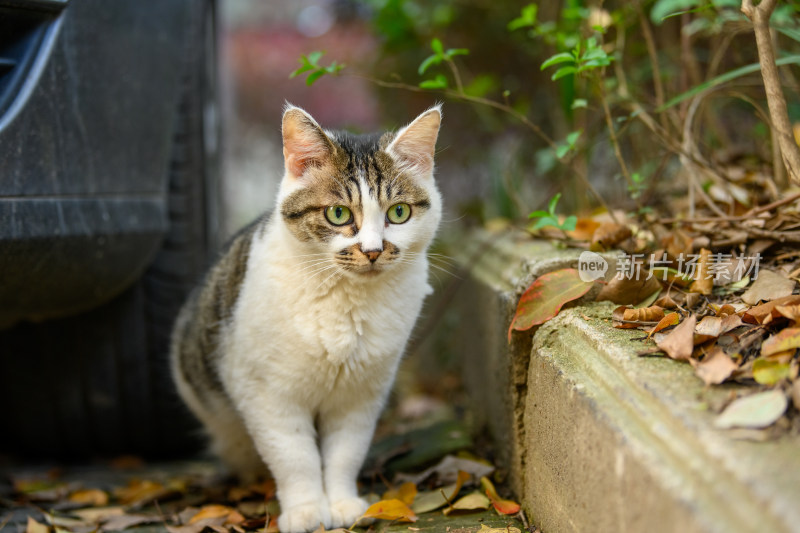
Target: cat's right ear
{"points": [[304, 142]]}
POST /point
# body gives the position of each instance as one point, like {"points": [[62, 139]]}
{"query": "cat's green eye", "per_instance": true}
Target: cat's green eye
{"points": [[338, 215], [398, 213]]}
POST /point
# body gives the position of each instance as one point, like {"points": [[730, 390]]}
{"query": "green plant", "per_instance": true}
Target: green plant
{"points": [[310, 63], [550, 218], [587, 55]]}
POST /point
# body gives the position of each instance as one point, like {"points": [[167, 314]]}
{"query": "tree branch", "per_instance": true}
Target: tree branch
{"points": [[776, 102]]}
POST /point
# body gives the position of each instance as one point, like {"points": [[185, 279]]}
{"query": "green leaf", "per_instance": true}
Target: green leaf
{"points": [[563, 71], [545, 297], [527, 18], [563, 57], [538, 213], [579, 102], [544, 222], [302, 69], [314, 76], [431, 60], [551, 205], [314, 57], [562, 150], [573, 137], [726, 77], [663, 9], [436, 46], [456, 52], [569, 223], [439, 82]]}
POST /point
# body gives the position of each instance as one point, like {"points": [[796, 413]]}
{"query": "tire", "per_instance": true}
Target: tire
{"points": [[98, 384]]}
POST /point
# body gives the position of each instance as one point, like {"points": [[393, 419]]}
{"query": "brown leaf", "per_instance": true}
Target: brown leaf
{"points": [[669, 320], [618, 317], [724, 310], [608, 235], [654, 313], [624, 291], [677, 243], [98, 514], [118, 523], [716, 367], [764, 313], [140, 491], [792, 312], [36, 527], [95, 497], [584, 229], [787, 339], [679, 343], [703, 282], [768, 286], [667, 301], [544, 298]]}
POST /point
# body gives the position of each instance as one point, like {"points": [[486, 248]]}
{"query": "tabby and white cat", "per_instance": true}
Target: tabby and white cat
{"points": [[287, 351]]}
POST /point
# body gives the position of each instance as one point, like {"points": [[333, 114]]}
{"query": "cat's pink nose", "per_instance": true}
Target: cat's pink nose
{"points": [[372, 255]]}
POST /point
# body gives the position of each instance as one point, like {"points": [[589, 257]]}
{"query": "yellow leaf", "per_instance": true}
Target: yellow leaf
{"points": [[390, 510], [788, 339], [500, 505], [94, 497], [471, 502], [139, 491], [213, 511], [406, 493]]}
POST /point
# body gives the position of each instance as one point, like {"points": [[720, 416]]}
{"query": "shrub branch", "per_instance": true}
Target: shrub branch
{"points": [[776, 102]]}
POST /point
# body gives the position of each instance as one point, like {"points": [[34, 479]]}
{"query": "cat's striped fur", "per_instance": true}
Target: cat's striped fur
{"points": [[288, 349]]}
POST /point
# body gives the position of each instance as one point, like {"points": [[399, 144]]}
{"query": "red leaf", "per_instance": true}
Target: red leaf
{"points": [[500, 505], [544, 298]]}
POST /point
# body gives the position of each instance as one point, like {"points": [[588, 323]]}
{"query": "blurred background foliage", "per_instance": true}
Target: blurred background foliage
{"points": [[637, 83]]}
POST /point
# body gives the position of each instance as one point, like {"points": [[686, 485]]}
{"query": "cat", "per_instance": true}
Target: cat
{"points": [[288, 349]]}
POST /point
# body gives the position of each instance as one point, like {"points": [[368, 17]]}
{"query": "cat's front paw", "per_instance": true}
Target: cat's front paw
{"points": [[304, 518], [344, 513]]}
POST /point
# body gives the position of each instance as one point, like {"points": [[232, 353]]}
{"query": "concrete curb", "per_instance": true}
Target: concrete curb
{"points": [[595, 438]]}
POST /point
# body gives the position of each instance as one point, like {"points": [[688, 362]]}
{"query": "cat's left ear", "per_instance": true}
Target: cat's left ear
{"points": [[305, 144], [414, 145]]}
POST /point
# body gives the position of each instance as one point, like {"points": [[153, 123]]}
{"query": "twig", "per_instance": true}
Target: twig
{"points": [[456, 76], [776, 101], [658, 85], [780, 236], [769, 207], [506, 109]]}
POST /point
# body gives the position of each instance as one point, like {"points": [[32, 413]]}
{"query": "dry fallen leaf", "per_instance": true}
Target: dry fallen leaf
{"points": [[98, 514], [787, 339], [669, 320], [471, 502], [767, 372], [703, 282], [36, 527], [406, 493], [715, 368], [118, 523], [508, 529], [95, 497], [679, 343], [624, 291], [769, 286], [766, 312], [608, 235], [139, 491], [389, 510], [543, 299], [500, 505], [755, 411]]}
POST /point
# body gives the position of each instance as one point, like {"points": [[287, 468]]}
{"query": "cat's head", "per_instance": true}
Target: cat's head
{"points": [[367, 203]]}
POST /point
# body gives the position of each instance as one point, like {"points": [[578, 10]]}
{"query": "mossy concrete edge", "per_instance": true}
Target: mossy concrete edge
{"points": [[594, 437]]}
